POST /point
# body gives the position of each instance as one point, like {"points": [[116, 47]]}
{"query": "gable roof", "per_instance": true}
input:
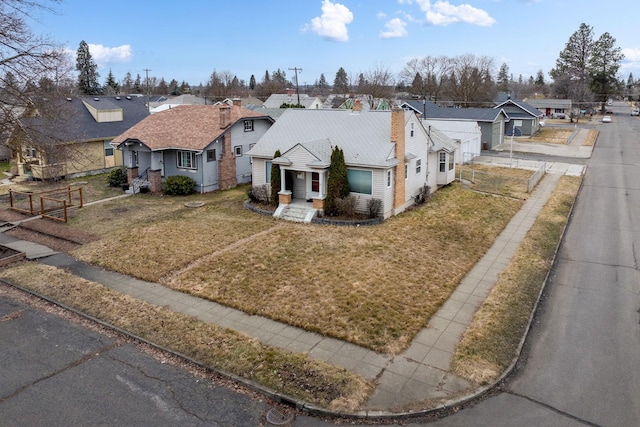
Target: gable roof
{"points": [[550, 103], [277, 99], [364, 137], [433, 111], [189, 127], [76, 123], [526, 108]]}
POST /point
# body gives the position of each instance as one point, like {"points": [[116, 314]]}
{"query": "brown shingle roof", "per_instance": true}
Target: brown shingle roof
{"points": [[191, 127]]}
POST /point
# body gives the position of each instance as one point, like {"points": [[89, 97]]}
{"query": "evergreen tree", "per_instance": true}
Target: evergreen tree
{"points": [[603, 67], [252, 82], [127, 83], [571, 74], [337, 183], [163, 88], [540, 79], [276, 179], [417, 85], [341, 82], [137, 84], [503, 78], [111, 86], [87, 68]]}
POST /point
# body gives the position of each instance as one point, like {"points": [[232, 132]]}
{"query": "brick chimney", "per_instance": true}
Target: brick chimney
{"points": [[237, 102], [397, 137], [357, 105], [225, 116]]}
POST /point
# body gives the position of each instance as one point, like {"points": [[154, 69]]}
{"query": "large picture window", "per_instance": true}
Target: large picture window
{"points": [[359, 181], [187, 160]]}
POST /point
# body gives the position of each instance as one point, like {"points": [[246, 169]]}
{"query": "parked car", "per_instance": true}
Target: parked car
{"points": [[635, 112], [606, 119]]}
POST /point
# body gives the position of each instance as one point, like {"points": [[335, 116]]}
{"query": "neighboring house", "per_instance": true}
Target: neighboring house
{"points": [[77, 140], [467, 137], [552, 108], [524, 119], [492, 121], [205, 142], [389, 156], [308, 102]]}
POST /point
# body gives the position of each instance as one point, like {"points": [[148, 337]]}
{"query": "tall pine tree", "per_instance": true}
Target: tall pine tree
{"points": [[337, 183], [87, 68]]}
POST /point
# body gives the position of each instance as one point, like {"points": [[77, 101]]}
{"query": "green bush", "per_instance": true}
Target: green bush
{"points": [[117, 177], [178, 185]]}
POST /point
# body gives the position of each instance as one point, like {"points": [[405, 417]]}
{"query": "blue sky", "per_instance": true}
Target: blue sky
{"points": [[188, 40]]}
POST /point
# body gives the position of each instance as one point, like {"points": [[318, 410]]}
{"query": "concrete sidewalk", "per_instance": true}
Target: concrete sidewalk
{"points": [[421, 373]]}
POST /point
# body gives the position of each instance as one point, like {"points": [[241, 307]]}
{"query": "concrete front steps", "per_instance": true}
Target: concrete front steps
{"points": [[296, 212]]}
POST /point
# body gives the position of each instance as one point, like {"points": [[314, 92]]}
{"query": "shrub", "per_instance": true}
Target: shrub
{"points": [[374, 206], [259, 194], [346, 205], [117, 177], [178, 185]]}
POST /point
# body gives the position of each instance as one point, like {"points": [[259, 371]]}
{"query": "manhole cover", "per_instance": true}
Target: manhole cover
{"points": [[277, 417], [194, 204]]}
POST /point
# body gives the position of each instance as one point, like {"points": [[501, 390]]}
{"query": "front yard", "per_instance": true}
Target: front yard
{"points": [[373, 286]]}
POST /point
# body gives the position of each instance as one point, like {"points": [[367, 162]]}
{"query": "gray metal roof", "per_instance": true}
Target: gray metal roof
{"points": [[550, 103], [364, 137], [433, 111]]}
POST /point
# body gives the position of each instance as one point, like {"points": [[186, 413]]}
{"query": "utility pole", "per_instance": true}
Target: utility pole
{"points": [[296, 69], [148, 106]]}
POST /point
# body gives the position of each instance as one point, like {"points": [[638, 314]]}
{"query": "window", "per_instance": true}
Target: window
{"points": [[443, 161], [187, 160], [315, 182], [406, 171], [248, 125], [268, 171], [237, 151], [108, 149], [451, 159], [388, 178], [418, 166], [412, 130], [134, 158], [359, 181], [211, 155]]}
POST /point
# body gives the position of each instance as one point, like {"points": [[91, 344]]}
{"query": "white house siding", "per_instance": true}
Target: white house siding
{"points": [[259, 172]]}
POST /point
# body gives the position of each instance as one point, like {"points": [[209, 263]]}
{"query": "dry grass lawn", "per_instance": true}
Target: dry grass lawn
{"points": [[373, 286], [292, 374], [550, 135], [491, 342], [509, 182]]}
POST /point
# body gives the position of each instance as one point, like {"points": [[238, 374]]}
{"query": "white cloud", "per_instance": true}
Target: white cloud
{"points": [[105, 55], [394, 28], [444, 13], [332, 24], [631, 54]]}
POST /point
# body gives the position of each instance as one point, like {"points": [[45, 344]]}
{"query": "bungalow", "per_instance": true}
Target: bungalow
{"points": [[552, 108], [524, 119], [205, 142], [390, 156], [308, 102], [491, 120], [73, 137]]}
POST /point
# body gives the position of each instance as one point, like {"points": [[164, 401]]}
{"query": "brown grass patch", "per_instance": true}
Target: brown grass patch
{"points": [[592, 137], [491, 342], [373, 286], [549, 135], [293, 374], [510, 182]]}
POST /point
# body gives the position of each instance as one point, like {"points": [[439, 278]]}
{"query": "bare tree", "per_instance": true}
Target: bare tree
{"points": [[470, 82], [24, 59], [379, 84], [434, 72]]}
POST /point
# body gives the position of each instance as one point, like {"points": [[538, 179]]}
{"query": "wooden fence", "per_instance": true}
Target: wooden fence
{"points": [[53, 204]]}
